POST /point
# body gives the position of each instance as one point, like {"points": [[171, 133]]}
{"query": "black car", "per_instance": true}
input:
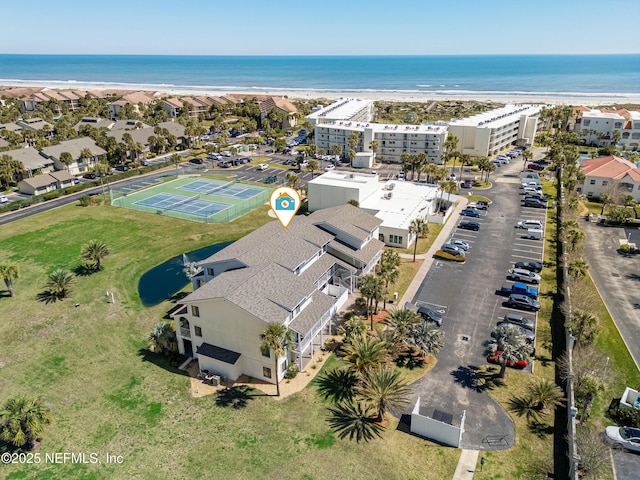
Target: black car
{"points": [[523, 302], [531, 266], [271, 179], [430, 315], [244, 160], [469, 225], [197, 161], [535, 203], [90, 176], [519, 320], [122, 168]]}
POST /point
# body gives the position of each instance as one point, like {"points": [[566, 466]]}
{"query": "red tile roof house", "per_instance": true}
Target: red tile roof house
{"points": [[284, 106], [610, 175]]}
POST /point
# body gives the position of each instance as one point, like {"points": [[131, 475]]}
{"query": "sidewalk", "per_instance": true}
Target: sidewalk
{"points": [[452, 222]]}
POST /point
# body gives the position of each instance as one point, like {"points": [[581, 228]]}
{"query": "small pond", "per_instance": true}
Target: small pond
{"points": [[162, 282]]}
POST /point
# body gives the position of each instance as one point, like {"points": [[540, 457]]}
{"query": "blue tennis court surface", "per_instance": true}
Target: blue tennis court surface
{"points": [[230, 189], [178, 203]]}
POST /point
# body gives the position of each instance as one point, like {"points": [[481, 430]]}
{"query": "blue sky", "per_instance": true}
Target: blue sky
{"points": [[322, 27]]}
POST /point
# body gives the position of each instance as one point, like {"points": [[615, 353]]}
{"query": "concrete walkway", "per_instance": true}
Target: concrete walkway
{"points": [[466, 465]]}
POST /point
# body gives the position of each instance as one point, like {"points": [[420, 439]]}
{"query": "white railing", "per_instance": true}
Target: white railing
{"points": [[185, 332]]}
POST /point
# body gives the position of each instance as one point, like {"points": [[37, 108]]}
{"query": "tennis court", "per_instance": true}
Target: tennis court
{"points": [[177, 203], [229, 189], [191, 197]]}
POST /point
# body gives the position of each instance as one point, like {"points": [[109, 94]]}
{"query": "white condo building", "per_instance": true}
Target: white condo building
{"points": [[335, 123], [487, 133], [596, 127]]}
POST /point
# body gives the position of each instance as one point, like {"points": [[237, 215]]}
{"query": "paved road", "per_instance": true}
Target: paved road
{"points": [[467, 294]]}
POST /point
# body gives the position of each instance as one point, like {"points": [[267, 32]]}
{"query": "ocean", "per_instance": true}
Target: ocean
{"points": [[495, 75]]}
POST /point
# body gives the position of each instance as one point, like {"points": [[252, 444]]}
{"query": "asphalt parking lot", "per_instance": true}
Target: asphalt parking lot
{"points": [[468, 294]]}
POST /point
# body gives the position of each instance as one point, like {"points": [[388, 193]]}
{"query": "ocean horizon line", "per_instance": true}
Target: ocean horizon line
{"points": [[323, 55]]}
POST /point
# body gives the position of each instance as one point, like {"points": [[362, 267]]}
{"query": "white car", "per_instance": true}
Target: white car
{"points": [[628, 437], [263, 166], [3, 199], [226, 153], [522, 275], [328, 168], [460, 244], [452, 177]]}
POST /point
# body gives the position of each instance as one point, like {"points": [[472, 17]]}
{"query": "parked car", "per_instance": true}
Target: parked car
{"points": [[196, 161], [470, 212], [329, 167], [523, 302], [224, 164], [460, 244], [469, 225], [3, 199], [226, 153], [244, 160], [430, 315], [519, 288], [90, 176], [527, 224], [122, 168], [400, 176], [518, 319], [522, 275], [530, 336], [531, 266], [534, 203], [452, 177], [452, 250], [495, 359], [263, 166], [627, 437], [466, 184], [144, 163], [271, 179], [535, 167]]}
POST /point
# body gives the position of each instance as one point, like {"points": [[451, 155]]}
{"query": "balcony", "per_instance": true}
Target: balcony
{"points": [[185, 332]]}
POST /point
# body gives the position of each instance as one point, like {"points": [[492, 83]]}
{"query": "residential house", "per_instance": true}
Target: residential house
{"points": [[197, 105], [129, 125], [71, 98], [35, 124], [298, 276], [288, 110], [75, 147], [33, 161], [135, 99], [47, 182], [142, 135], [611, 175], [95, 122]]}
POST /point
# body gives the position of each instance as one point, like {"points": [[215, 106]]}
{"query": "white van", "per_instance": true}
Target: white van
{"points": [[527, 224], [535, 234]]}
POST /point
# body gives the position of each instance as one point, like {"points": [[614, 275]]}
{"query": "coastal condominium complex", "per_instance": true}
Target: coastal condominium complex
{"points": [[487, 133], [598, 127], [337, 122]]}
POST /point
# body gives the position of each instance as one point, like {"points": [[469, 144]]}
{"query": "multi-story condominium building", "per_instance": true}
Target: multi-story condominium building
{"points": [[197, 105], [353, 109], [69, 97], [392, 140], [597, 127], [487, 133], [75, 147], [611, 175], [298, 277]]}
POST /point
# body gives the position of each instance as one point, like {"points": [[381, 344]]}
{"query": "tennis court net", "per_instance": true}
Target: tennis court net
{"points": [[209, 191], [181, 202]]}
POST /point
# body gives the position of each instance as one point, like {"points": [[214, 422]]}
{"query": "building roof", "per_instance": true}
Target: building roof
{"points": [[128, 125], [135, 98], [61, 175], [40, 180], [278, 102], [342, 109], [11, 127], [30, 158], [95, 122], [74, 147], [497, 117], [142, 135], [612, 167], [218, 353], [320, 303], [354, 221], [34, 124]]}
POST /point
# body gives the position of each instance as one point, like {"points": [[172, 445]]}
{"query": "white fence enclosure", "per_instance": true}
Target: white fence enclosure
{"points": [[440, 430]]}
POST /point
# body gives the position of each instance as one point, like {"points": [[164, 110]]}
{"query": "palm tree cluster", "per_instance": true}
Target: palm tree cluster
{"points": [[22, 419], [375, 286], [511, 344], [540, 397], [163, 338]]}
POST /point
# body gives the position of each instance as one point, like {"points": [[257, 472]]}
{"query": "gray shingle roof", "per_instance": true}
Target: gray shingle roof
{"points": [[352, 220], [320, 304], [74, 147], [40, 180], [365, 255], [95, 122], [30, 158], [218, 353]]}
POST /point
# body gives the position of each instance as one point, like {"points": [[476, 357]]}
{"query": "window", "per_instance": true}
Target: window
{"points": [[197, 330], [381, 237], [265, 353], [592, 182], [395, 239], [586, 123], [617, 125], [210, 271], [195, 311], [605, 183], [266, 372]]}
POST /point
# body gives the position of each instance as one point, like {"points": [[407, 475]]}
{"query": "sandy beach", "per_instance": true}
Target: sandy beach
{"points": [[567, 98]]}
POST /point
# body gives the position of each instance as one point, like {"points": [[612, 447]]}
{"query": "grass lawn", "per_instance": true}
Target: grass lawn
{"points": [[408, 270], [107, 393], [424, 244], [478, 198]]}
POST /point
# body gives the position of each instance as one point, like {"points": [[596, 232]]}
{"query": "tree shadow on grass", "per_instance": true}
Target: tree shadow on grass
{"points": [[162, 361], [337, 385], [540, 429], [50, 297], [236, 397], [85, 270], [355, 422], [475, 378]]}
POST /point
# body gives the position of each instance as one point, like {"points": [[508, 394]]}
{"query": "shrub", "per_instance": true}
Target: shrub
{"points": [[629, 417], [292, 371], [448, 256], [52, 195], [625, 248], [85, 201]]}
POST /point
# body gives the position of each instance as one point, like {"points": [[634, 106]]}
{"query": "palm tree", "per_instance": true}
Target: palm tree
{"points": [[575, 236], [338, 384], [163, 338], [94, 252], [9, 272], [430, 169], [419, 228], [354, 420], [578, 268], [427, 337], [389, 271], [175, 159], [292, 179], [58, 285], [606, 200], [372, 288], [352, 327], [313, 166], [335, 149], [511, 343], [383, 388], [526, 156], [374, 148], [365, 352], [545, 394], [85, 154], [278, 338], [403, 321], [583, 326], [22, 419]]}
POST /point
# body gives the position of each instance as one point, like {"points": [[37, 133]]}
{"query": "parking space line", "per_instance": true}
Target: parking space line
{"points": [[520, 256], [527, 245], [526, 251]]}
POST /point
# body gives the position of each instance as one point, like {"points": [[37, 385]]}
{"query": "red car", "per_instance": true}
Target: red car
{"points": [[495, 358], [535, 167]]}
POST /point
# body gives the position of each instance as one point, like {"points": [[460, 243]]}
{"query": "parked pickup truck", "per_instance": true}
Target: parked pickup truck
{"points": [[479, 205], [520, 289]]}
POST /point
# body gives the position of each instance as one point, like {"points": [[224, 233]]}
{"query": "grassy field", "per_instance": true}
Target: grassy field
{"points": [[108, 394], [424, 244]]}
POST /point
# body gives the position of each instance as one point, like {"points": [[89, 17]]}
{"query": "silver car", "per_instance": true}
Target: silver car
{"points": [[627, 437], [522, 275]]}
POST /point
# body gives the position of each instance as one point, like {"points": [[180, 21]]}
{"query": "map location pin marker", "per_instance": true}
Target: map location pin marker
{"points": [[285, 202]]}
